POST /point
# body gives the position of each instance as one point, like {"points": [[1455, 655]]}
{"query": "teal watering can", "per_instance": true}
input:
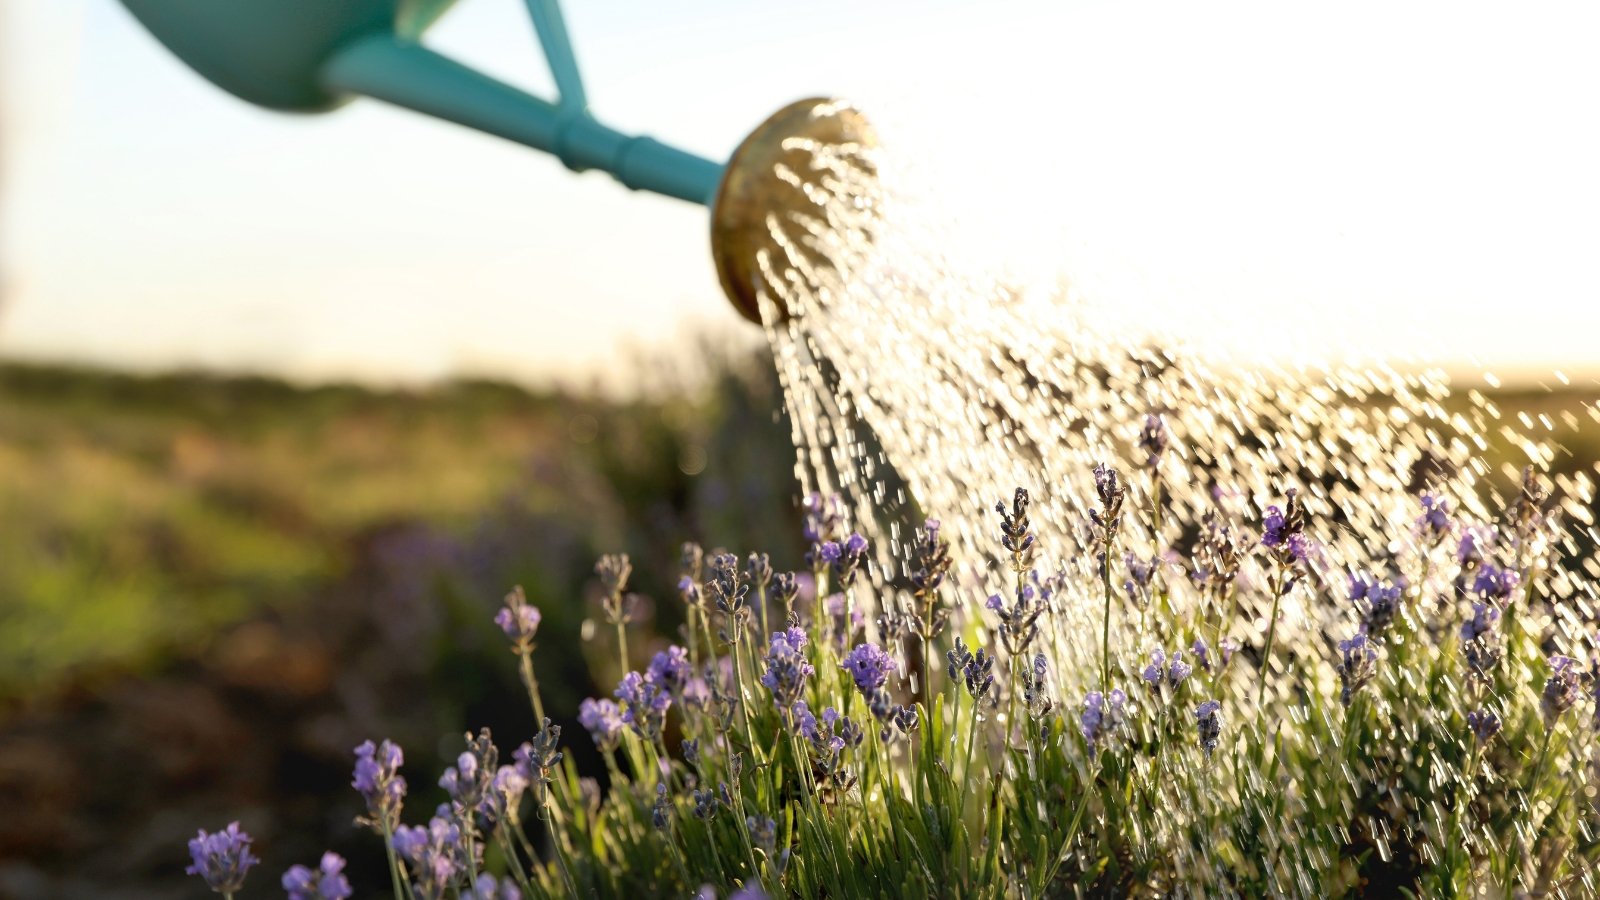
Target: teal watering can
{"points": [[316, 55]]}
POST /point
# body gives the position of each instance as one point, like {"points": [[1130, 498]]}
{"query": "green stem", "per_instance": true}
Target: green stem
{"points": [[532, 685], [1272, 630], [1105, 632], [394, 863]]}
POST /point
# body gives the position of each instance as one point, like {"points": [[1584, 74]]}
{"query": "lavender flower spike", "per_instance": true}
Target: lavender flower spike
{"points": [[1484, 724], [1561, 690], [1208, 717], [603, 720], [519, 620], [1358, 663], [869, 665], [327, 882], [222, 859], [377, 778]]}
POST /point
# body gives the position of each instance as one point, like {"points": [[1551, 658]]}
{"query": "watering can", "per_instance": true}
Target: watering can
{"points": [[316, 55]]}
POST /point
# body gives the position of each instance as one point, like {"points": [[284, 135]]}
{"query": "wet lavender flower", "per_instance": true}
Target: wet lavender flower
{"points": [[932, 555], [730, 592], [644, 704], [221, 859], [978, 675], [829, 736], [1153, 440], [1217, 556], [1018, 622], [326, 882], [1141, 572], [1283, 531], [958, 657], [603, 720], [1015, 534], [1484, 724], [1376, 601], [845, 559], [786, 667], [1108, 487], [671, 669], [1208, 718], [613, 570], [869, 666], [377, 778], [1164, 670], [1102, 715], [1229, 646], [1358, 663], [823, 520], [1561, 690], [1473, 548], [1034, 688], [519, 620], [536, 759], [1480, 641], [1495, 583], [1527, 511], [1434, 524]]}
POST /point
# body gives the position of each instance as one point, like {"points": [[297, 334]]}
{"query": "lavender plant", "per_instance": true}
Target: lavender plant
{"points": [[818, 759]]}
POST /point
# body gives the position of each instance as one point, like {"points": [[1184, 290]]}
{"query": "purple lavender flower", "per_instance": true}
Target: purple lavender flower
{"points": [[1208, 718], [822, 518], [505, 791], [805, 722], [487, 888], [377, 778], [327, 882], [1561, 690], [1102, 715], [1484, 724], [1141, 572], [869, 665], [1480, 642], [671, 669], [1495, 583], [1162, 669], [1358, 663], [1283, 530], [1377, 601], [435, 855], [786, 667], [1230, 646], [644, 703], [1434, 523], [688, 592], [1202, 653], [603, 720], [1473, 548], [222, 859], [518, 619], [1153, 439]]}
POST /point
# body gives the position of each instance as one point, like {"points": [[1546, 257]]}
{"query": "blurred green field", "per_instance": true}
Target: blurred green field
{"points": [[143, 514]]}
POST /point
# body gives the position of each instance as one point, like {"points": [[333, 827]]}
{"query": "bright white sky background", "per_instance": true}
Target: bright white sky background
{"points": [[1378, 175]]}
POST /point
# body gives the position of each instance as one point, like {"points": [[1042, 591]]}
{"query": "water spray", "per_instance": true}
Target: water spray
{"points": [[317, 55]]}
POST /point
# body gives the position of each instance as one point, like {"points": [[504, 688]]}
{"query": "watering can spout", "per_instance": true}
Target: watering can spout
{"points": [[407, 74]]}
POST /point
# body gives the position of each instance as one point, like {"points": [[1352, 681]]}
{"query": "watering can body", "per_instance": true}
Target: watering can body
{"points": [[315, 55], [273, 53]]}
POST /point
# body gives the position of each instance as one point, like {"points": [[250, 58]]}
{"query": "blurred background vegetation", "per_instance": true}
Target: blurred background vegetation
{"points": [[214, 587]]}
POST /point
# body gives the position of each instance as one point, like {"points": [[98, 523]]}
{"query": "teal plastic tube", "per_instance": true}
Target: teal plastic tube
{"points": [[408, 74]]}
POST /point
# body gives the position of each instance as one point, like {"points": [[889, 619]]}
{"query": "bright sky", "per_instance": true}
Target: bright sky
{"points": [[1379, 175]]}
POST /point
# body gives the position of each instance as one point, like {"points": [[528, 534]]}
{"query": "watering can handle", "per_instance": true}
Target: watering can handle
{"points": [[552, 31]]}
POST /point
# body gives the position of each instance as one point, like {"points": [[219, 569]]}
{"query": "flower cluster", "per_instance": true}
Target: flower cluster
{"points": [[787, 667], [1102, 716], [326, 882], [1283, 531], [1358, 663], [1164, 670], [222, 858], [378, 780], [1376, 601], [519, 620]]}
